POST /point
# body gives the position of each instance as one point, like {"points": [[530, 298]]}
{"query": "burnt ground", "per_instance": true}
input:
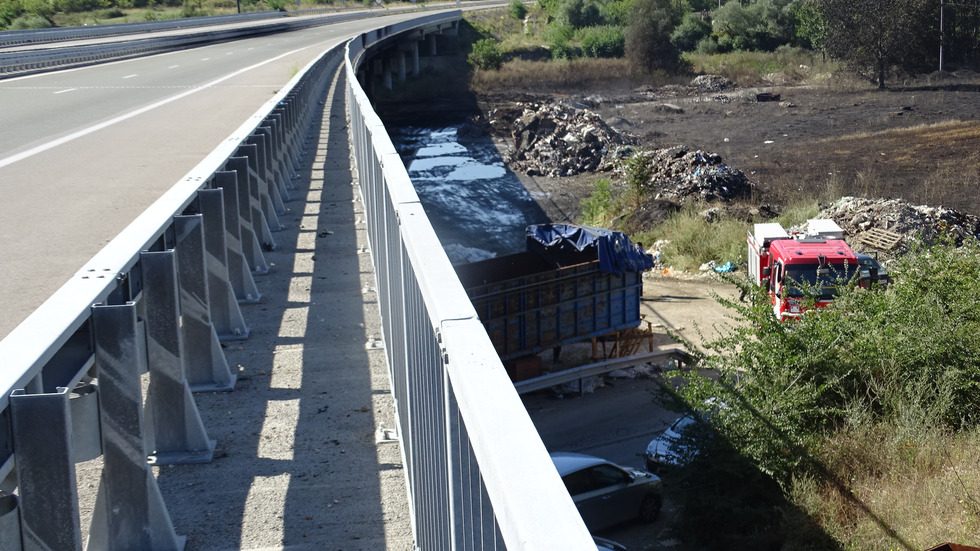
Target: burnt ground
{"points": [[919, 141]]}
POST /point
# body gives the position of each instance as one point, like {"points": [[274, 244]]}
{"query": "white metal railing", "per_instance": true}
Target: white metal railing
{"points": [[478, 475]]}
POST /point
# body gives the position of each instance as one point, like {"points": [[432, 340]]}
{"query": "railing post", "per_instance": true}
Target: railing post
{"points": [[10, 537], [129, 510], [226, 316], [239, 264], [176, 434], [205, 366], [45, 471], [250, 216]]}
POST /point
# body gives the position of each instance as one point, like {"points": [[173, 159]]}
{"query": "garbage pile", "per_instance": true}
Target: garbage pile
{"points": [[712, 83], [856, 215], [557, 139], [682, 174]]}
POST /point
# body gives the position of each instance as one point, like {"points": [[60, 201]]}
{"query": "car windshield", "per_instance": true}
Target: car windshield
{"points": [[802, 278]]}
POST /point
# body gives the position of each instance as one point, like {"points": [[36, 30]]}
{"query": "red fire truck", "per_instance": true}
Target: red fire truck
{"points": [[796, 266]]}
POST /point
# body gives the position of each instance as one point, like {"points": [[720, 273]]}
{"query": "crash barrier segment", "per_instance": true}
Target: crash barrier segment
{"points": [[676, 355], [60, 34], [478, 475], [29, 61], [158, 299]]}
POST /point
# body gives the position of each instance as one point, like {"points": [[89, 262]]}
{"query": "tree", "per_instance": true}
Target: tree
{"points": [[877, 38], [691, 31], [764, 25], [648, 45]]}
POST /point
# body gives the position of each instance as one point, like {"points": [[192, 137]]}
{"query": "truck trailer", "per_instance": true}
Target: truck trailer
{"points": [[572, 283]]}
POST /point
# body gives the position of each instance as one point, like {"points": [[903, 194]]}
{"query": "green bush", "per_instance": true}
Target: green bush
{"points": [[598, 206], [26, 22], [603, 41], [518, 10], [486, 55], [690, 32], [906, 356]]}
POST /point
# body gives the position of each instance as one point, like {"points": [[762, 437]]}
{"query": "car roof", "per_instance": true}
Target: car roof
{"points": [[568, 462]]}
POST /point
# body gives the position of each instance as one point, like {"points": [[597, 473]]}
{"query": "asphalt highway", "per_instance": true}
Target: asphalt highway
{"points": [[84, 151]]}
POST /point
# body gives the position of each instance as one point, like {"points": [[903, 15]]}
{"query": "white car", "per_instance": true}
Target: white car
{"points": [[670, 449], [607, 494]]}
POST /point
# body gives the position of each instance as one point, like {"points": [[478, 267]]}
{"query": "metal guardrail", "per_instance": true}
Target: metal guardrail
{"points": [[60, 34], [678, 355], [30, 61], [478, 475], [159, 298]]}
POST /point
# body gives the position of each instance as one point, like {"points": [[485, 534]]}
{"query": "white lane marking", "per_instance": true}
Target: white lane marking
{"points": [[68, 90], [173, 66], [128, 76], [85, 132], [205, 59]]}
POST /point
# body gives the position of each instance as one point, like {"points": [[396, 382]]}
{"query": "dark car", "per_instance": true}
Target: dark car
{"points": [[607, 494]]}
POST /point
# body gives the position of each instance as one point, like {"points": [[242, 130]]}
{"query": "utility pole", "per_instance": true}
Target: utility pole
{"points": [[941, 37]]}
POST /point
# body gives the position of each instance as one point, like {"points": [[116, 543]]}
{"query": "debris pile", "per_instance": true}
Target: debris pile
{"points": [[557, 139], [712, 83], [683, 174], [856, 215]]}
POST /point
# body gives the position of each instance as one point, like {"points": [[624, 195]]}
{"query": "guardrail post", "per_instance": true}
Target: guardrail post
{"points": [[10, 537], [239, 270], [205, 366], [270, 197], [281, 166], [45, 471], [176, 434], [129, 510], [249, 215], [285, 152], [226, 316]]}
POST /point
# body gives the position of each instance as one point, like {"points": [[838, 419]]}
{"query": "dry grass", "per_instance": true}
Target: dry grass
{"points": [[546, 76], [901, 493], [755, 68]]}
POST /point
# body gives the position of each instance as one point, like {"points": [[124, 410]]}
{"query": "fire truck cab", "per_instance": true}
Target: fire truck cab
{"points": [[795, 267]]}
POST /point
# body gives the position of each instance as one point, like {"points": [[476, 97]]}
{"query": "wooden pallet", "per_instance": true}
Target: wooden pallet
{"points": [[625, 342], [880, 239]]}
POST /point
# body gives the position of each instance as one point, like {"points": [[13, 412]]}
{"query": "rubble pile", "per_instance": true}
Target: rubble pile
{"points": [[712, 83], [682, 174], [557, 139], [856, 215]]}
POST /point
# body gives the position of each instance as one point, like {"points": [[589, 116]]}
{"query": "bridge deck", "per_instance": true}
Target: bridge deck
{"points": [[297, 464]]}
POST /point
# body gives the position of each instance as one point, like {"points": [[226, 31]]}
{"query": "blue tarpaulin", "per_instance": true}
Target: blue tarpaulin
{"points": [[615, 252]]}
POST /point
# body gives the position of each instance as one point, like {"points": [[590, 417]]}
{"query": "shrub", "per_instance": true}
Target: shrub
{"points": [[485, 55], [907, 356], [597, 207], [518, 10], [25, 22], [561, 50], [707, 46], [690, 32], [604, 41]]}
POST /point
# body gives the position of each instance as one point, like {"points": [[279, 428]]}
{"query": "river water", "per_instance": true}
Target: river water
{"points": [[477, 206]]}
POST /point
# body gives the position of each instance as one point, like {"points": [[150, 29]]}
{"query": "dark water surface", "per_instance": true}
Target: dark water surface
{"points": [[478, 207]]}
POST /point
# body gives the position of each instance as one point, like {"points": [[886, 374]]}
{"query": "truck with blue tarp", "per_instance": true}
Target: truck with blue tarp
{"points": [[572, 283]]}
